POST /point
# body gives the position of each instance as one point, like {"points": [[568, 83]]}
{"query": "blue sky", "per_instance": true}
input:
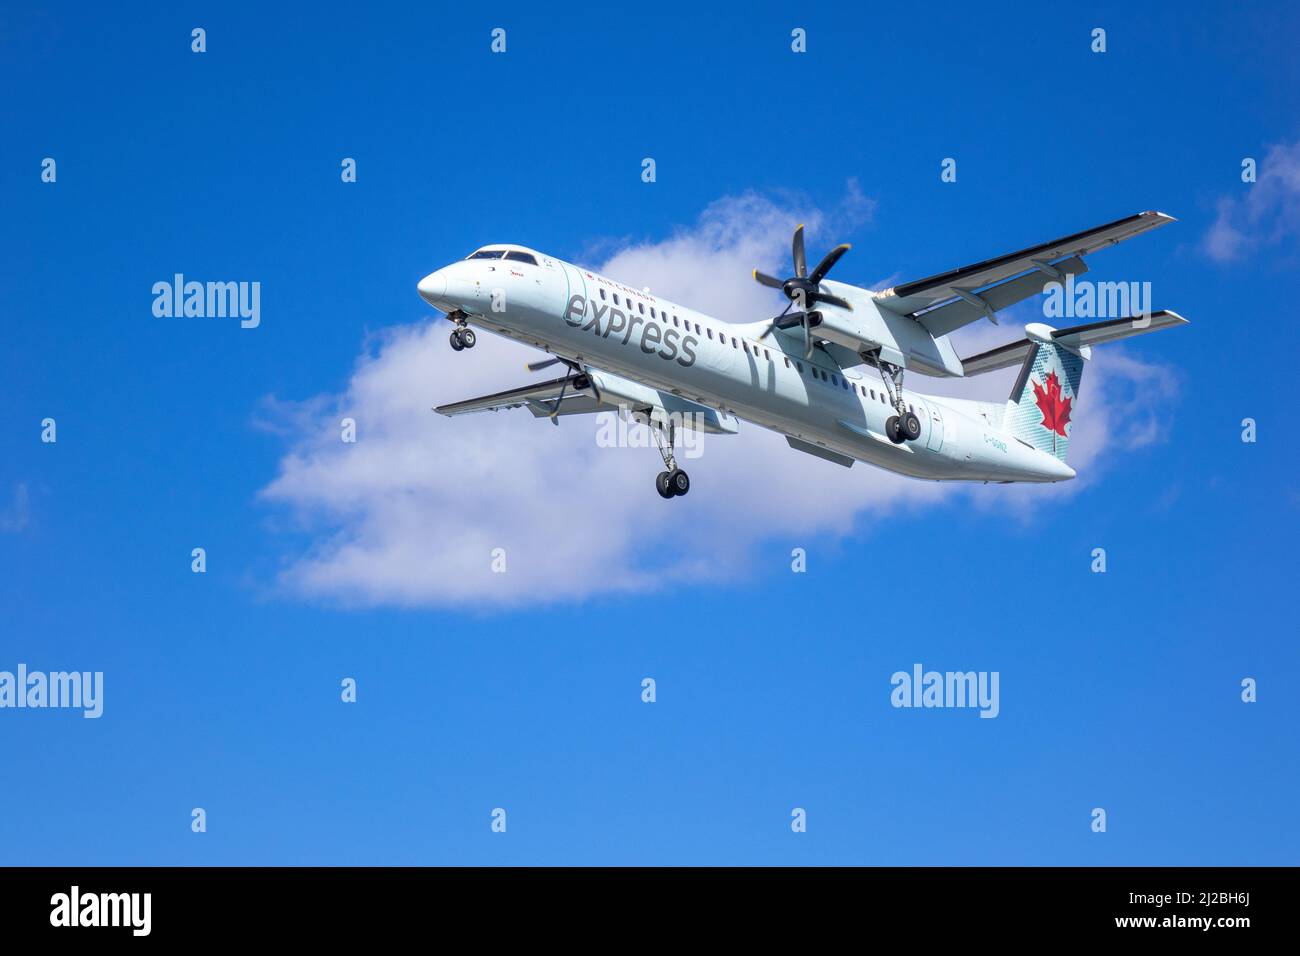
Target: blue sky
{"points": [[1119, 691]]}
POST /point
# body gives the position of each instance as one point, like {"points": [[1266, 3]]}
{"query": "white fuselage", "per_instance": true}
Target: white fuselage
{"points": [[596, 321]]}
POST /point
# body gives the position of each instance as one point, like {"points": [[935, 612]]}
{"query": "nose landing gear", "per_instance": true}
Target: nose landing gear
{"points": [[462, 336]]}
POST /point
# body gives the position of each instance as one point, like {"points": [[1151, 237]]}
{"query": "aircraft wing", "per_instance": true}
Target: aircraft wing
{"points": [[948, 300], [541, 398], [592, 390]]}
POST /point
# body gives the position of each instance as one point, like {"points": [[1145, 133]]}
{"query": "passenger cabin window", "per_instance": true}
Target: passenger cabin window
{"points": [[602, 293], [515, 256], [488, 254], [641, 306]]}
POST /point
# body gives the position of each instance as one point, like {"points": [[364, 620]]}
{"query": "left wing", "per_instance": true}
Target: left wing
{"points": [[951, 299]]}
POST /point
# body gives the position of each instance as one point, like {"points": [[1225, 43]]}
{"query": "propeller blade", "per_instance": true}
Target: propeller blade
{"points": [[558, 402], [831, 300], [770, 281], [807, 334], [800, 260], [538, 366], [771, 325], [824, 267]]}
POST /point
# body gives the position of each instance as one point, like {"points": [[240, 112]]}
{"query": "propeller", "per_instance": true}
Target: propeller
{"points": [[803, 289], [579, 380]]}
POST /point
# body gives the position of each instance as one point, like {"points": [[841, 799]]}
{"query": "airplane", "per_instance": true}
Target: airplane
{"points": [[810, 372]]}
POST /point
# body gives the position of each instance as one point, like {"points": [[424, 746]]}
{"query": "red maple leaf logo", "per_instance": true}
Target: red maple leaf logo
{"points": [[1055, 408]]}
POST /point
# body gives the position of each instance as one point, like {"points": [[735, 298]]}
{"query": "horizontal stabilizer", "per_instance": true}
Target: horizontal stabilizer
{"points": [[1075, 338], [1098, 333]]}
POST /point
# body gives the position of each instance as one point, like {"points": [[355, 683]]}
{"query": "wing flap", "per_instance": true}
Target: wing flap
{"points": [[953, 315]]}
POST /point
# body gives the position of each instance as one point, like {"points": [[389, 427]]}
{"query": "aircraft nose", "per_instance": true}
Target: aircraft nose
{"points": [[433, 286]]}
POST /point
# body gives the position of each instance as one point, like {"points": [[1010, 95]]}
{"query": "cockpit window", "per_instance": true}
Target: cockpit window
{"points": [[488, 254], [522, 257]]}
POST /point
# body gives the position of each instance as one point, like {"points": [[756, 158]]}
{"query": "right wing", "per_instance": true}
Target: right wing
{"points": [[559, 396], [592, 390]]}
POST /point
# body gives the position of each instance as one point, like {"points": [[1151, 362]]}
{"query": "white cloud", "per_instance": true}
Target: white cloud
{"points": [[15, 516], [411, 512], [1267, 212]]}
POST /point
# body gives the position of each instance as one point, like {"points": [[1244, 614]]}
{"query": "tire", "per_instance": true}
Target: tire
{"points": [[661, 485], [891, 430], [456, 343], [679, 482], [910, 427], [467, 338]]}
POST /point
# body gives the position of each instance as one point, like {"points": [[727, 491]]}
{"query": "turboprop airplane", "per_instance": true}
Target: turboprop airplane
{"points": [[810, 372]]}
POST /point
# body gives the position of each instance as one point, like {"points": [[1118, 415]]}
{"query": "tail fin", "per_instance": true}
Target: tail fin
{"points": [[1041, 405]]}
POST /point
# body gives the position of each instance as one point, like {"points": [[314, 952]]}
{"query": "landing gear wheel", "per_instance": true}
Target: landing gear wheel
{"points": [[910, 427], [467, 339], [456, 343], [891, 430], [674, 481], [661, 485]]}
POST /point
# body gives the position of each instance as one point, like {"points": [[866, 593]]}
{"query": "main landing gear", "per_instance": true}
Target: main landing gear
{"points": [[673, 481], [462, 336], [904, 426]]}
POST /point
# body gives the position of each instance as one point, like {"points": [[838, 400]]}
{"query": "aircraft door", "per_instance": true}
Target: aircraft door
{"points": [[934, 441]]}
